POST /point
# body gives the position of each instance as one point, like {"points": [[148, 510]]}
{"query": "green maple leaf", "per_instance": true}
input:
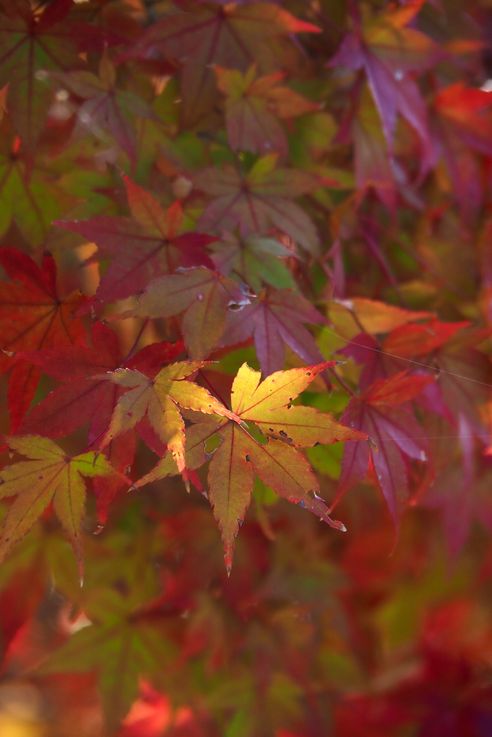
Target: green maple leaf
{"points": [[30, 199], [255, 260], [121, 644], [50, 475]]}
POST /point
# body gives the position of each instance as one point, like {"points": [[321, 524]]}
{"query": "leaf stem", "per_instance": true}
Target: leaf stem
{"points": [[137, 339], [342, 382]]}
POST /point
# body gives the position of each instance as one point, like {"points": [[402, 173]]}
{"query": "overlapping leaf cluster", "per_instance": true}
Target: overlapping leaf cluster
{"points": [[249, 245]]}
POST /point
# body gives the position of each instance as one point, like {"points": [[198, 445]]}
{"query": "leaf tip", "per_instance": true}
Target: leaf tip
{"points": [[80, 567], [228, 561], [336, 524]]}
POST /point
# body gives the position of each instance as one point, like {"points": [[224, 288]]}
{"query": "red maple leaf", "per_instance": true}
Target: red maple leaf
{"points": [[85, 397], [200, 35], [141, 248], [33, 317], [394, 437]]}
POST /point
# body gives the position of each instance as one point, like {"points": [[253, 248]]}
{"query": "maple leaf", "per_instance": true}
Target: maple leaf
{"points": [[83, 397], [31, 199], [253, 107], [106, 110], [387, 51], [401, 345], [255, 260], [142, 248], [454, 483], [394, 434], [273, 457], [121, 455], [464, 382], [373, 168], [151, 713], [348, 316], [465, 387], [204, 296], [461, 499], [159, 399], [33, 316], [467, 112], [274, 320], [203, 35], [33, 44], [121, 644], [50, 475], [259, 200], [462, 128], [419, 339], [21, 595]]}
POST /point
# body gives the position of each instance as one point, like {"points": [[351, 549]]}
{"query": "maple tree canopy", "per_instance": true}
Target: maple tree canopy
{"points": [[245, 288]]}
